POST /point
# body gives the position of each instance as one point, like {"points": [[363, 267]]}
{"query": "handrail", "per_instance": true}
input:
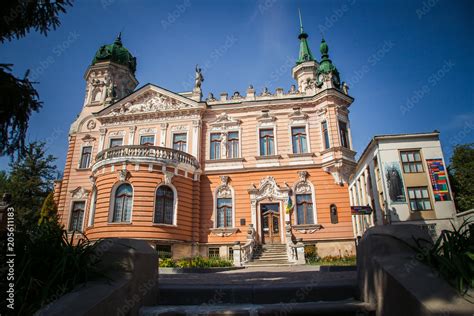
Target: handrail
{"points": [[145, 151]]}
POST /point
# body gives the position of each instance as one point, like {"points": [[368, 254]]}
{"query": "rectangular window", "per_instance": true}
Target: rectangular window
{"points": [[114, 142], [213, 253], [419, 199], [233, 145], [344, 134], [324, 127], [231, 254], [215, 146], [411, 161], [179, 141], [267, 145], [148, 140], [85, 157], [224, 212], [77, 216], [304, 209], [298, 137], [164, 251]]}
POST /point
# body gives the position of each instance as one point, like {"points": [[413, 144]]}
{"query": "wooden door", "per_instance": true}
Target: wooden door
{"points": [[270, 223]]}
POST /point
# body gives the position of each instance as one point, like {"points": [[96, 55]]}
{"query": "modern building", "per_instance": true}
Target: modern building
{"points": [[403, 179], [195, 176]]}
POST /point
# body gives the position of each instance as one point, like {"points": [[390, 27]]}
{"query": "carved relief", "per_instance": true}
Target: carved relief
{"points": [[124, 175], [80, 193], [147, 131], [91, 124], [117, 133], [224, 190], [180, 128], [224, 122], [88, 139], [302, 186], [168, 177], [269, 189]]}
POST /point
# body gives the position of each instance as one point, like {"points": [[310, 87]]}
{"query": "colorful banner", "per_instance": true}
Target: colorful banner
{"points": [[439, 179]]}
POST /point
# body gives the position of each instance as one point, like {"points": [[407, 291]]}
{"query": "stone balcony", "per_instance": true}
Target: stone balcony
{"points": [[145, 154]]}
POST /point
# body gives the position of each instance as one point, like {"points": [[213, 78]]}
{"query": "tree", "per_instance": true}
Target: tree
{"points": [[18, 98], [30, 181], [49, 210], [461, 172]]}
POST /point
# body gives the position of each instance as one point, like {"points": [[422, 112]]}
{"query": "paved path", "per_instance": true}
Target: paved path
{"points": [[262, 276]]}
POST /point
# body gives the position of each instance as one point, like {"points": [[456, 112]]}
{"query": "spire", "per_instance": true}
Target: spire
{"points": [[118, 40], [305, 52]]}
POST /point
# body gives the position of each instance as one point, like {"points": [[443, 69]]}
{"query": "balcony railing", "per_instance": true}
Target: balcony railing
{"points": [[154, 153]]}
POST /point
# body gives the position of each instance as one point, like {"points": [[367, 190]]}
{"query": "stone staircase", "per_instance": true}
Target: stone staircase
{"points": [[269, 256]]}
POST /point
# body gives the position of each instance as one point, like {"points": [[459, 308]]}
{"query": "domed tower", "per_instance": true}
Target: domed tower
{"points": [[327, 75], [111, 75]]}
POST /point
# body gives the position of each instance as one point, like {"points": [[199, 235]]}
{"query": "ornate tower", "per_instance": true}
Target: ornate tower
{"points": [[305, 70], [327, 75], [111, 75]]}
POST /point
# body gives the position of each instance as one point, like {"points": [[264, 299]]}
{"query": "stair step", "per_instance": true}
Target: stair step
{"points": [[341, 308], [271, 259], [192, 294]]}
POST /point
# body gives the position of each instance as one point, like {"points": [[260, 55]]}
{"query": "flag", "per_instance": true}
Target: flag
{"points": [[289, 205]]}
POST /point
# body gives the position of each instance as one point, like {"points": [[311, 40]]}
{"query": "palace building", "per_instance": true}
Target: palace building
{"points": [[198, 175]]}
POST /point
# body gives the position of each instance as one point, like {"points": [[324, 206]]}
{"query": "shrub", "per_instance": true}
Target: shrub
{"points": [[452, 255], [195, 262]]}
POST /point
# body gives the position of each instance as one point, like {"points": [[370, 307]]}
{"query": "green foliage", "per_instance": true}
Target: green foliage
{"points": [[452, 255], [30, 181], [18, 101], [48, 210], [48, 264], [332, 261], [461, 172], [19, 16], [195, 262]]}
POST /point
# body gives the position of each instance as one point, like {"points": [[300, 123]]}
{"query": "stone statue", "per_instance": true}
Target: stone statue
{"points": [[292, 89], [198, 78], [265, 92], [109, 88], [224, 144], [345, 88], [211, 97]]}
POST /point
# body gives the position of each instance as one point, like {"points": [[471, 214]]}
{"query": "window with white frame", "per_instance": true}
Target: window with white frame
{"points": [[213, 253], [180, 141], [85, 157], [114, 142], [148, 140], [224, 212], [411, 161], [215, 146], [164, 205], [304, 209], [267, 142], [122, 208], [299, 140], [233, 145], [77, 216], [419, 199]]}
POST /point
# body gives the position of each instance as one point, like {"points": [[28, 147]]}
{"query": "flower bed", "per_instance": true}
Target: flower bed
{"points": [[194, 262]]}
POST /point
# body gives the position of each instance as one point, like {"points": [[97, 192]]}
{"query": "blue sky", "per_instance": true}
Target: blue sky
{"points": [[408, 63]]}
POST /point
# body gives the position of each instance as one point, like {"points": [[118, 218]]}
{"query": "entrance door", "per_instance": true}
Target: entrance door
{"points": [[270, 223]]}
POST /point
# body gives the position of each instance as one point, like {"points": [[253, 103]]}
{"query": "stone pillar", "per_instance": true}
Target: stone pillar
{"points": [[237, 254], [196, 137], [131, 135], [164, 128], [253, 210], [300, 259], [102, 132]]}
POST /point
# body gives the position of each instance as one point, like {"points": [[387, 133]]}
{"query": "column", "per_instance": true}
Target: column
{"points": [[102, 132], [131, 135], [196, 137], [164, 127]]}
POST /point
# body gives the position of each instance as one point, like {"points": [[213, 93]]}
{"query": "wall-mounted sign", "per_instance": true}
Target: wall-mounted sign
{"points": [[439, 179], [361, 210]]}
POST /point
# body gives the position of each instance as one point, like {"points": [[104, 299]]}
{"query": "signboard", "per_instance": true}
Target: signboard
{"points": [[439, 179], [361, 210]]}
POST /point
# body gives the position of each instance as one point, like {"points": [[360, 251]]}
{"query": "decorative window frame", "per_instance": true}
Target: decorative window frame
{"points": [[112, 203], [174, 132], [224, 190], [223, 124], [303, 186], [80, 156], [92, 207], [116, 135], [324, 117], [147, 132], [79, 194], [299, 119], [175, 202], [267, 121]]}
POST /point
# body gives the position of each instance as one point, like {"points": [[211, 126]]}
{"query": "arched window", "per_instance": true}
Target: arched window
{"points": [[224, 212], [304, 209], [164, 205], [123, 203]]}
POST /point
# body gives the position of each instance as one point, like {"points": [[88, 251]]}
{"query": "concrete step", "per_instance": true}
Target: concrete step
{"points": [[268, 293], [349, 307], [285, 258]]}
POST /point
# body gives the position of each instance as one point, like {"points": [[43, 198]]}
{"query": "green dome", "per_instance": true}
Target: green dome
{"points": [[325, 66], [116, 53]]}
